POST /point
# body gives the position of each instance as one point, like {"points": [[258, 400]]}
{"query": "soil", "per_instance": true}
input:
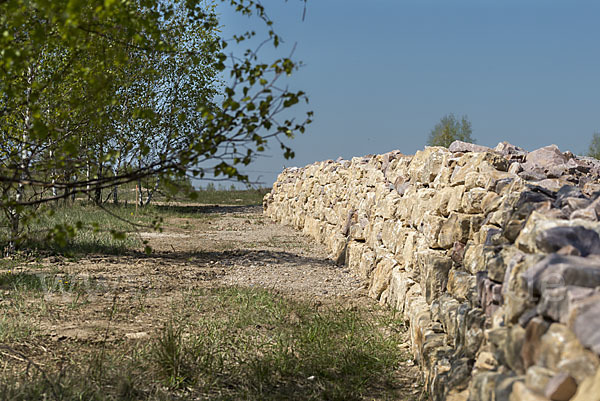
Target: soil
{"points": [[129, 296]]}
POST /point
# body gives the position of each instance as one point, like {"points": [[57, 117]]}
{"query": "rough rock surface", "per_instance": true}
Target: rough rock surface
{"points": [[492, 256]]}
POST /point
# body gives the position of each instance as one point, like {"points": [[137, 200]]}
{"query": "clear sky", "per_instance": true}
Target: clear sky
{"points": [[381, 73]]}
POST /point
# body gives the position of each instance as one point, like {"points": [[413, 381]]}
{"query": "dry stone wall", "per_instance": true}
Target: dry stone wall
{"points": [[492, 256]]}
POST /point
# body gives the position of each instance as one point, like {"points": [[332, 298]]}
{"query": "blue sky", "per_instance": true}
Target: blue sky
{"points": [[381, 73]]}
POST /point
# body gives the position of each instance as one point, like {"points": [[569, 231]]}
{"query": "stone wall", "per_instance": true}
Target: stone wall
{"points": [[492, 256]]}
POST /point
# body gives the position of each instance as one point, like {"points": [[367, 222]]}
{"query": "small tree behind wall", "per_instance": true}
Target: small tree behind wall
{"points": [[594, 149], [450, 129]]}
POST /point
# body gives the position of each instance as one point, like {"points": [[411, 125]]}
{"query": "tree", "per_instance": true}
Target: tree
{"points": [[449, 129], [94, 94], [594, 149]]}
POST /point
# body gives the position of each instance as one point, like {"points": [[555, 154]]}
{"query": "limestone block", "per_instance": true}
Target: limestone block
{"points": [[559, 270], [474, 260], [421, 206], [358, 231], [337, 245], [404, 208], [462, 285], [433, 267], [447, 308], [474, 179], [517, 295], [381, 276], [441, 199], [374, 175], [400, 284], [491, 202], [367, 263], [455, 202], [486, 361], [589, 389], [399, 238], [552, 344], [426, 164], [431, 227], [544, 158], [407, 249], [388, 237], [442, 180], [512, 348], [459, 175], [389, 205], [558, 303], [354, 255], [330, 215], [537, 223], [537, 378], [488, 235], [418, 313], [455, 229], [311, 227], [471, 201], [561, 387], [520, 392], [578, 362], [374, 233], [483, 385], [584, 320]]}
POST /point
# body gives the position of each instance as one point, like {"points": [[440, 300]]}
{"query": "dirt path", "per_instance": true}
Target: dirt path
{"points": [[129, 297]]}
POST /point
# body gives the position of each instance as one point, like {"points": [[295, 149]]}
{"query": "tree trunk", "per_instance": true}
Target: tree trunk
{"points": [[151, 192], [15, 214], [98, 189]]}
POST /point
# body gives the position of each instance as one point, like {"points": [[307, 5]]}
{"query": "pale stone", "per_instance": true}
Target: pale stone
{"points": [[520, 392], [473, 259], [462, 285], [561, 387], [486, 361], [455, 202], [426, 164], [381, 276], [455, 229], [367, 263], [400, 283], [431, 227], [460, 146], [434, 267], [589, 389], [537, 378]]}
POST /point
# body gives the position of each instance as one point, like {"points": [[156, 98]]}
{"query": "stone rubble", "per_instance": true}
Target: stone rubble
{"points": [[492, 256]]}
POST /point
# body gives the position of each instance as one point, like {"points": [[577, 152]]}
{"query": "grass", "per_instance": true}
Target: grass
{"points": [[207, 196], [233, 344], [84, 228], [249, 197]]}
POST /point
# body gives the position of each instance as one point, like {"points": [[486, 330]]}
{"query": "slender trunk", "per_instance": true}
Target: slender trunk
{"points": [[87, 178], [140, 199], [20, 194], [53, 175], [151, 192], [115, 190], [66, 190], [98, 189]]}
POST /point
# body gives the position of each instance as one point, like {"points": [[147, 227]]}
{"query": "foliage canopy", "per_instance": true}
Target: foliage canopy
{"points": [[594, 149], [450, 129], [94, 94]]}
